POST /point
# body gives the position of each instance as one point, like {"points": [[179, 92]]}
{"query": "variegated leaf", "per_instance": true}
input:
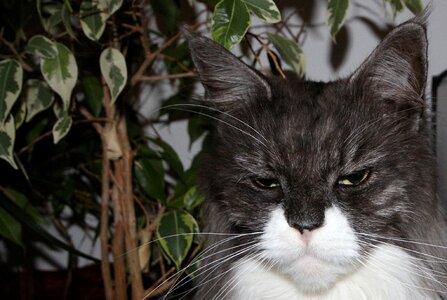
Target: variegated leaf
{"points": [[11, 77], [230, 22], [290, 52], [41, 46], [175, 234], [49, 12], [61, 73], [7, 138], [38, 97], [19, 114], [93, 18], [61, 128], [337, 11], [112, 6], [114, 70], [94, 14], [264, 9], [58, 110]]}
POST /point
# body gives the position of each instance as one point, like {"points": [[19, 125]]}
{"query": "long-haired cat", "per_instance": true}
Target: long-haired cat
{"points": [[322, 190]]}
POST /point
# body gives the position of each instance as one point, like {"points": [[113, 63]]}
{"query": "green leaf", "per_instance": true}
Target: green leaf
{"points": [[93, 93], [21, 201], [114, 70], [169, 12], [264, 9], [175, 235], [66, 13], [195, 128], [10, 228], [212, 3], [415, 6], [396, 5], [11, 76], [7, 138], [337, 11], [290, 52], [230, 22], [150, 176], [93, 19], [61, 73], [25, 219], [67, 4], [38, 97], [171, 157], [41, 46], [61, 128], [192, 199]]}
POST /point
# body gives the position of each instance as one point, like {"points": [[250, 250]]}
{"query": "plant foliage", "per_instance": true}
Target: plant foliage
{"points": [[73, 141]]}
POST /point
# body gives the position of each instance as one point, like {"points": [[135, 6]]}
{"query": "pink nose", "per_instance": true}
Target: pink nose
{"points": [[306, 236]]}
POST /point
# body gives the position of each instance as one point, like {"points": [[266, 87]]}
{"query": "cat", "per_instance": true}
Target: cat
{"points": [[322, 190]]}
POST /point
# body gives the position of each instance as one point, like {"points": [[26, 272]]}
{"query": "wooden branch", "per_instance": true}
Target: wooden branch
{"points": [[13, 49], [156, 289], [131, 236], [275, 62], [118, 262], [105, 198], [166, 77], [104, 228], [150, 57]]}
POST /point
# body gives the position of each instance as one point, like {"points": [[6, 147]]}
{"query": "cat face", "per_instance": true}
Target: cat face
{"points": [[321, 171]]}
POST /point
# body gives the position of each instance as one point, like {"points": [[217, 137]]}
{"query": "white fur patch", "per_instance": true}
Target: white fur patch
{"points": [[328, 267]]}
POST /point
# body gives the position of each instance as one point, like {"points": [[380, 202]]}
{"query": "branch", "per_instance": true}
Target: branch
{"points": [[166, 77]]}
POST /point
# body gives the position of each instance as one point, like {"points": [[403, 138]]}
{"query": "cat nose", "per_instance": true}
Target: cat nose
{"points": [[306, 225]]}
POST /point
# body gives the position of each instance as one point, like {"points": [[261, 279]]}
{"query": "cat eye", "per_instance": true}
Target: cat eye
{"points": [[353, 179], [266, 183]]}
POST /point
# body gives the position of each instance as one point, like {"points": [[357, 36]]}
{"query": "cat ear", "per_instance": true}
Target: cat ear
{"points": [[226, 79], [397, 68]]}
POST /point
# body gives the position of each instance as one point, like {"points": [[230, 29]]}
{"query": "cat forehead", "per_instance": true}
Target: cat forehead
{"points": [[307, 107], [304, 121]]}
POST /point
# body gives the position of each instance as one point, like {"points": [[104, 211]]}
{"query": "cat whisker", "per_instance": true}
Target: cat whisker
{"points": [[180, 283], [418, 266], [435, 259], [200, 256], [386, 276], [187, 234], [220, 112], [221, 262], [383, 271], [410, 241], [231, 284], [228, 124]]}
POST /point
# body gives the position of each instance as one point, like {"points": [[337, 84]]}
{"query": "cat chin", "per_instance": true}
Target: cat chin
{"points": [[331, 252]]}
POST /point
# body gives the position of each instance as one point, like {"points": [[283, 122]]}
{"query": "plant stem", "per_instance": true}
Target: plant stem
{"points": [[105, 197], [131, 238]]}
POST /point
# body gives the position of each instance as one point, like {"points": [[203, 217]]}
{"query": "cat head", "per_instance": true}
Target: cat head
{"points": [[319, 168]]}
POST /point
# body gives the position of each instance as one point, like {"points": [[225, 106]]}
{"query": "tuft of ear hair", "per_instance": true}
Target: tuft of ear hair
{"points": [[227, 80], [397, 69]]}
